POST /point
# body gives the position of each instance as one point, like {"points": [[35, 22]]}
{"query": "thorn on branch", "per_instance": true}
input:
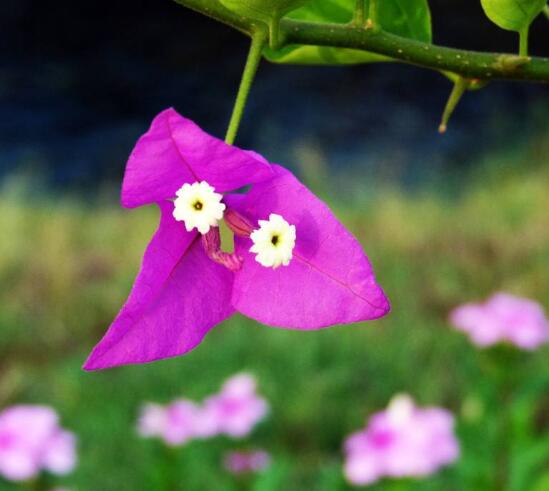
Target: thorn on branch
{"points": [[461, 84]]}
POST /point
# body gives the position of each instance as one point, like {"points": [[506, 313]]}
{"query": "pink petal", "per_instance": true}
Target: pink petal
{"points": [[178, 296], [175, 151], [24, 431], [181, 421], [362, 469], [152, 420], [329, 280], [60, 455], [18, 465], [30, 425]]}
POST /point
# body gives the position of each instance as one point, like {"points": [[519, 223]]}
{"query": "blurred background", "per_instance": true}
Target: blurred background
{"points": [[444, 219]]}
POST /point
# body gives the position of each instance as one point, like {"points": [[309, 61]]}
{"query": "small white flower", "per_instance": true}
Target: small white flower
{"points": [[198, 206], [274, 242], [400, 409]]}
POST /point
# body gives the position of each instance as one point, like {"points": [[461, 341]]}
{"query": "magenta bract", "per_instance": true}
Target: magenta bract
{"points": [[186, 286], [176, 151], [329, 281]]}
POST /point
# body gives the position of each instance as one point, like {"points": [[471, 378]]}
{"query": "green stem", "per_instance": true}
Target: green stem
{"points": [[359, 17], [523, 43], [460, 86], [546, 11], [373, 13], [468, 64], [254, 57], [274, 29]]}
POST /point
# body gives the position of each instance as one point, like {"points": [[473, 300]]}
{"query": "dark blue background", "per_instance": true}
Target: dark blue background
{"points": [[80, 81]]}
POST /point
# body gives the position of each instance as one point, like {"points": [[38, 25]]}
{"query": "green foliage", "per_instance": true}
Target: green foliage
{"points": [[513, 15], [407, 18]]}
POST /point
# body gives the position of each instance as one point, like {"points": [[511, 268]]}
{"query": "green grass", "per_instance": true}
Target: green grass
{"points": [[66, 269]]}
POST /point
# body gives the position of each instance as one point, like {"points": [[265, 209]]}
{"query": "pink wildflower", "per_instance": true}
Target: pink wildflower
{"points": [[246, 462], [503, 317], [237, 408], [234, 411], [175, 424], [32, 441], [402, 441]]}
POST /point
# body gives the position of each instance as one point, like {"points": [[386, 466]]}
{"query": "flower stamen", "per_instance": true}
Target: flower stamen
{"points": [[274, 242], [198, 206]]}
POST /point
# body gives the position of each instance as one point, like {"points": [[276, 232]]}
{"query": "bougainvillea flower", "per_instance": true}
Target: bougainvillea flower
{"points": [[329, 279], [246, 462], [503, 318], [237, 408], [294, 265], [32, 441], [402, 441]]}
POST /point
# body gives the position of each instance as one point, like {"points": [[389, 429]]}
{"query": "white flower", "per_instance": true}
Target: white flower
{"points": [[401, 409], [274, 242], [198, 206]]}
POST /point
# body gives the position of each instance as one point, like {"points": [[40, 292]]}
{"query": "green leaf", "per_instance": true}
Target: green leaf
{"points": [[263, 10], [407, 18], [513, 15]]}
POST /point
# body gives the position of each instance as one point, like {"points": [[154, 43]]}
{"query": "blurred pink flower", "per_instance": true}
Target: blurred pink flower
{"points": [[503, 317], [402, 441], [234, 411], [237, 408], [31, 441], [237, 462], [175, 423]]}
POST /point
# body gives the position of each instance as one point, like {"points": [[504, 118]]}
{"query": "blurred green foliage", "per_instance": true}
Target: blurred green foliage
{"points": [[66, 268]]}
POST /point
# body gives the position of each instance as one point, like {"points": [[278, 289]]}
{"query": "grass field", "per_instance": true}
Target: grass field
{"points": [[66, 269]]}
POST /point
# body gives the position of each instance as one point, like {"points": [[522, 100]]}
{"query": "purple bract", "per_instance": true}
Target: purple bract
{"points": [[187, 284]]}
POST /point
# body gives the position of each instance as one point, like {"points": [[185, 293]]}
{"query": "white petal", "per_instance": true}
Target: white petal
{"points": [[268, 254], [204, 218]]}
